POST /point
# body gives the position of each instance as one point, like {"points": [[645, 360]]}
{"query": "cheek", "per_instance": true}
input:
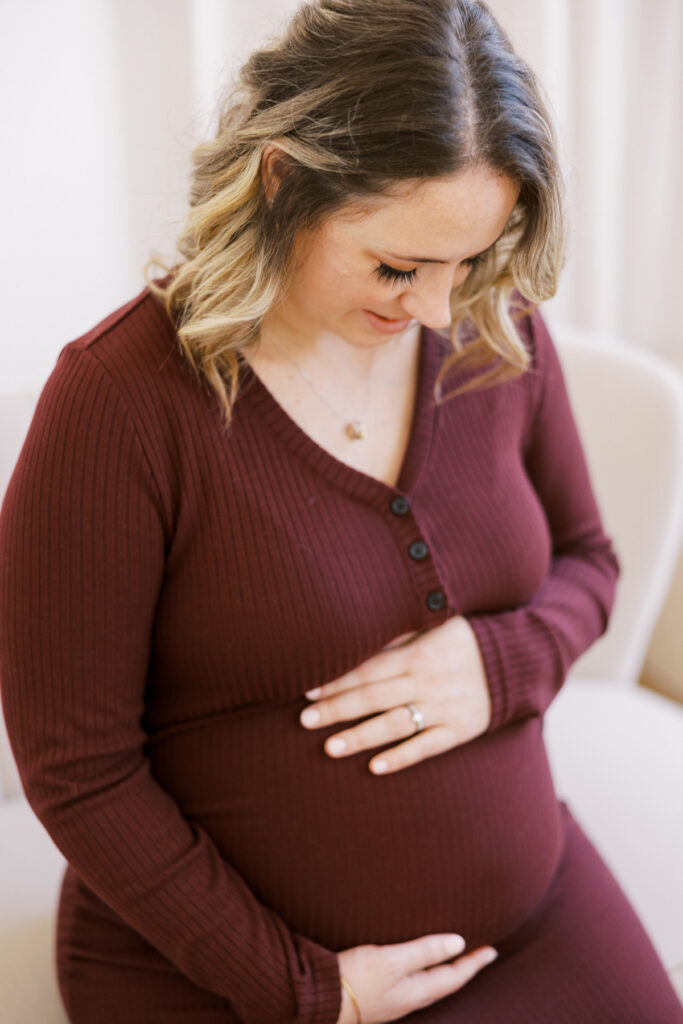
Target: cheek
{"points": [[334, 280], [344, 285], [320, 285]]}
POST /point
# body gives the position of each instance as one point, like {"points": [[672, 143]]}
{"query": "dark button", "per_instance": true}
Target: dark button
{"points": [[418, 550], [400, 506], [436, 600]]}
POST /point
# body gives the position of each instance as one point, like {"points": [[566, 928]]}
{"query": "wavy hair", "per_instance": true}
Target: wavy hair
{"points": [[363, 98]]}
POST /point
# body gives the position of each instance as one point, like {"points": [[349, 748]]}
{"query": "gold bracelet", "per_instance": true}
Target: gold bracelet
{"points": [[353, 999]]}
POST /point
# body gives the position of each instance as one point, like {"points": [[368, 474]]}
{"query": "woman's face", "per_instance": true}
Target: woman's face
{"points": [[445, 222]]}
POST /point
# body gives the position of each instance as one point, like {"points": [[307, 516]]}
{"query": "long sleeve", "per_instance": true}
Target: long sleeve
{"points": [[83, 536], [527, 651]]}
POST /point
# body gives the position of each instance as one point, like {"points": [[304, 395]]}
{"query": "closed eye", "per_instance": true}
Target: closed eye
{"points": [[392, 275]]}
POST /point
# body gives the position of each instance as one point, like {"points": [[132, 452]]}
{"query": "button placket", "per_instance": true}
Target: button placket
{"points": [[426, 578]]}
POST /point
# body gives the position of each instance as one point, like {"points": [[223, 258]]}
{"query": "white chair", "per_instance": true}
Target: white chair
{"points": [[615, 748]]}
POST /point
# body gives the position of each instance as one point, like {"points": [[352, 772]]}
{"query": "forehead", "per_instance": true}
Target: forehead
{"points": [[432, 216]]}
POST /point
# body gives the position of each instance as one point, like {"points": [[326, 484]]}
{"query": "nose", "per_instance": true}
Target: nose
{"points": [[429, 301]]}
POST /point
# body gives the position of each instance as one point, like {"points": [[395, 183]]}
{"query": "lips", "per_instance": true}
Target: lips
{"points": [[389, 319], [384, 325]]}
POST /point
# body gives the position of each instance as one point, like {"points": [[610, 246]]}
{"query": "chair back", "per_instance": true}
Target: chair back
{"points": [[628, 406]]}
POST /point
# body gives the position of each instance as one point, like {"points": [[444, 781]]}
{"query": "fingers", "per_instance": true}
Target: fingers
{"points": [[417, 954], [430, 985], [418, 748], [396, 724], [388, 662], [391, 981], [359, 702], [379, 730]]}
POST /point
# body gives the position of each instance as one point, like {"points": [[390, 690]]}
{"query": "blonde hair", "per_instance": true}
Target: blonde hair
{"points": [[363, 97]]}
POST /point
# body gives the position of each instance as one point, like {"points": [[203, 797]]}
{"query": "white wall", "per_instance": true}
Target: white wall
{"points": [[97, 128], [62, 177], [102, 101]]}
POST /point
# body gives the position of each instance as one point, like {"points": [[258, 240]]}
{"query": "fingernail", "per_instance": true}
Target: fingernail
{"points": [[379, 766], [490, 956], [336, 745], [454, 944], [314, 693], [309, 717]]}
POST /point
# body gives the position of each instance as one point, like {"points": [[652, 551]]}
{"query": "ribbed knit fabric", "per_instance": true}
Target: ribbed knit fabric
{"points": [[167, 595]]}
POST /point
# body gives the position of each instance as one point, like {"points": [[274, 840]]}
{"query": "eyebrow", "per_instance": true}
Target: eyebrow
{"points": [[423, 259]]}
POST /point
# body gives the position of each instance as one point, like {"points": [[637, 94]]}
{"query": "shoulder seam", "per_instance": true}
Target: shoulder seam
{"points": [[117, 317]]}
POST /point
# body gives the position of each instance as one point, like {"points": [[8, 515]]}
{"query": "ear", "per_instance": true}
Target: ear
{"points": [[270, 172]]}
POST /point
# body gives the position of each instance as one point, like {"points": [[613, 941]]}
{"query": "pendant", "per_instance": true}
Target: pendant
{"points": [[355, 430]]}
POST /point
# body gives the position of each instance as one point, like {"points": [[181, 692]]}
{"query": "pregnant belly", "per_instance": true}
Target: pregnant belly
{"points": [[466, 841]]}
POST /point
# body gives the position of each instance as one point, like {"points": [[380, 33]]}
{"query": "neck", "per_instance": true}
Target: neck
{"points": [[333, 354]]}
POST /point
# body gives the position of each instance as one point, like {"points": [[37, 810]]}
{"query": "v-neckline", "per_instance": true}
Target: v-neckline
{"points": [[360, 484]]}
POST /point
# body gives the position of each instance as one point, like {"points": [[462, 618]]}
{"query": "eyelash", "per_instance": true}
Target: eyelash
{"points": [[393, 276]]}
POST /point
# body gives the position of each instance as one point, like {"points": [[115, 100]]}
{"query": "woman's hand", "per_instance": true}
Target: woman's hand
{"points": [[441, 672], [393, 980]]}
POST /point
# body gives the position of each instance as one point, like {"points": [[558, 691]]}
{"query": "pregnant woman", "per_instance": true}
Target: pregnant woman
{"points": [[298, 550]]}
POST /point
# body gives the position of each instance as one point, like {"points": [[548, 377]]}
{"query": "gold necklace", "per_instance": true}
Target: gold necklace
{"points": [[354, 429]]}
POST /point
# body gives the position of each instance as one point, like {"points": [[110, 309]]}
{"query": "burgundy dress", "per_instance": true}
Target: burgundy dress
{"points": [[167, 595]]}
